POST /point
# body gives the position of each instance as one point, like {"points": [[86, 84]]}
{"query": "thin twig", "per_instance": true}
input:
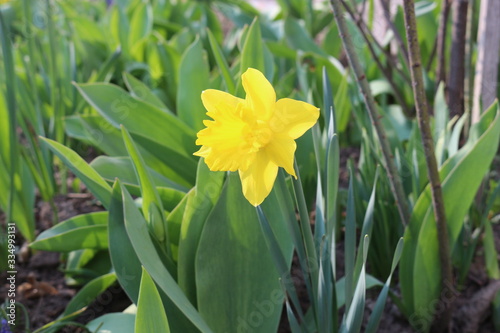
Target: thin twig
{"points": [[457, 59], [394, 179], [368, 37], [428, 66], [469, 74], [430, 157], [387, 15], [363, 8], [385, 70], [441, 41]]}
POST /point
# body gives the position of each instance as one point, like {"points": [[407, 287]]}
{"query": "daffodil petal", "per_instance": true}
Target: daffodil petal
{"points": [[281, 150], [222, 147], [258, 180], [224, 140], [261, 96], [219, 103], [293, 117], [203, 152]]}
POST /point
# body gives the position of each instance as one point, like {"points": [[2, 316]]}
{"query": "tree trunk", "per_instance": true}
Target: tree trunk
{"points": [[488, 41]]}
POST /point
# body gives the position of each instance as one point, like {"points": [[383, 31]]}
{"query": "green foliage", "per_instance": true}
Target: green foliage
{"points": [[461, 176], [124, 83], [193, 79], [86, 231], [246, 271], [150, 315]]}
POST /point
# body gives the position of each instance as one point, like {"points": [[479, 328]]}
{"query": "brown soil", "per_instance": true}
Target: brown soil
{"points": [[40, 281]]}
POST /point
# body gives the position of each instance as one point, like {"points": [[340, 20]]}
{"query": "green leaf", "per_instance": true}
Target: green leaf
{"points": [[141, 25], [17, 197], [298, 37], [332, 178], [120, 27], [113, 323], [96, 131], [254, 52], [88, 30], [279, 258], [354, 316], [150, 315], [160, 133], [122, 167], [193, 79], [198, 206], [127, 265], [174, 223], [461, 175], [151, 203], [233, 259], [350, 243], [89, 292], [86, 231], [340, 286], [140, 91], [170, 59], [343, 104], [306, 248], [454, 142], [118, 107], [367, 226], [328, 104], [441, 112], [221, 63], [98, 186], [490, 252], [22, 201], [378, 309], [145, 250]]}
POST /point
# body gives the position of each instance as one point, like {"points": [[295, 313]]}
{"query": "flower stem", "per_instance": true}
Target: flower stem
{"points": [[307, 239], [394, 180], [430, 158]]}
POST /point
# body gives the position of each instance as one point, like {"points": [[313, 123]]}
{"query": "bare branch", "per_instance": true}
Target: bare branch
{"points": [[394, 179], [457, 61], [430, 156], [385, 70], [441, 41], [387, 15]]}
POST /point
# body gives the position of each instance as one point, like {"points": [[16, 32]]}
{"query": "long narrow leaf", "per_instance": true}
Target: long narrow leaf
{"points": [[152, 206], [145, 250], [150, 315]]}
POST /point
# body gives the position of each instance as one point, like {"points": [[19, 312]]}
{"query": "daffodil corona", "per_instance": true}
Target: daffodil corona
{"points": [[254, 136]]}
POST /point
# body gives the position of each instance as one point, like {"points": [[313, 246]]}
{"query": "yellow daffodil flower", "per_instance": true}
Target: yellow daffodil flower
{"points": [[255, 135]]}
